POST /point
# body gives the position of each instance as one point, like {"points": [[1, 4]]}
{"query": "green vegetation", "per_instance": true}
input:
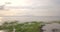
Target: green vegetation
{"points": [[15, 26], [22, 27]]}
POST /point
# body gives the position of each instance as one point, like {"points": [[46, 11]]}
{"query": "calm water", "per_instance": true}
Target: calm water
{"points": [[32, 18]]}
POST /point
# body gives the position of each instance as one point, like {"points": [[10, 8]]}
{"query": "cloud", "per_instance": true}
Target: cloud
{"points": [[34, 7], [31, 8]]}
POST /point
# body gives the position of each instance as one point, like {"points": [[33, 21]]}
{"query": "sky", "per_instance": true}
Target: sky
{"points": [[30, 8]]}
